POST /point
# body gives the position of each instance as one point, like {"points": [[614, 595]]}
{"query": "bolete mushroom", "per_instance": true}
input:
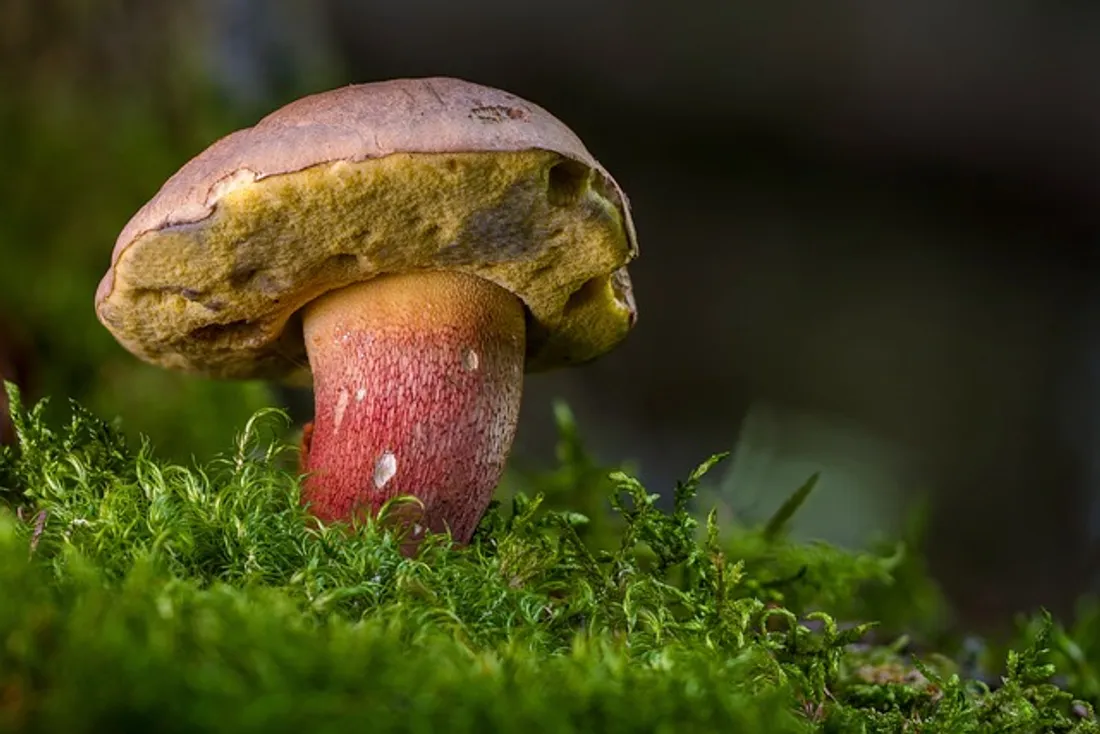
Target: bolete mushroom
{"points": [[414, 245]]}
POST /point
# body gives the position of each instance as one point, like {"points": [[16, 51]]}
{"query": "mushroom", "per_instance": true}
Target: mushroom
{"points": [[414, 246]]}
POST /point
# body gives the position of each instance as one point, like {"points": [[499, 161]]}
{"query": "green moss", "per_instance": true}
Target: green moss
{"points": [[141, 594]]}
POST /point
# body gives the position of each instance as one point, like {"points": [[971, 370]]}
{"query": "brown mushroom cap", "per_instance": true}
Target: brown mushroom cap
{"points": [[342, 186]]}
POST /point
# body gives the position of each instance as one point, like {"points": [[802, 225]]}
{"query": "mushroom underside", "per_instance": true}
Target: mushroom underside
{"points": [[216, 296]]}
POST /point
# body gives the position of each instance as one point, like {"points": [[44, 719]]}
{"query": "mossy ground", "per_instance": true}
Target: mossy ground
{"points": [[138, 594]]}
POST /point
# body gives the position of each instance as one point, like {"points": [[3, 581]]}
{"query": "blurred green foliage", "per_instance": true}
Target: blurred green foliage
{"points": [[101, 102]]}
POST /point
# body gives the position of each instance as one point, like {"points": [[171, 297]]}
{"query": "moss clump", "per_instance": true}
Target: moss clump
{"points": [[139, 594]]}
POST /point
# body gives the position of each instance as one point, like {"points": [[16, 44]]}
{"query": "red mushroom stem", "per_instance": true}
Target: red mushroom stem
{"points": [[417, 384]]}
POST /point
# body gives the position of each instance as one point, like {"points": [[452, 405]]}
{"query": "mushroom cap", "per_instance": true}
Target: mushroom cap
{"points": [[339, 187]]}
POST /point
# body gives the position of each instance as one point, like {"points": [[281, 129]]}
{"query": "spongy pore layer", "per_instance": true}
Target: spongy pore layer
{"points": [[220, 295]]}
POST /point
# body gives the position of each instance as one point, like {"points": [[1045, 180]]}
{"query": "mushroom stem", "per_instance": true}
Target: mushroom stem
{"points": [[417, 384]]}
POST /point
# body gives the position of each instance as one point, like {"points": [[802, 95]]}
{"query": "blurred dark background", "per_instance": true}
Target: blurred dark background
{"points": [[868, 237]]}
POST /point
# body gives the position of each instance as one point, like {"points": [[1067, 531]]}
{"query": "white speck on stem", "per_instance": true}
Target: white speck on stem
{"points": [[341, 406], [470, 360], [384, 469], [360, 394]]}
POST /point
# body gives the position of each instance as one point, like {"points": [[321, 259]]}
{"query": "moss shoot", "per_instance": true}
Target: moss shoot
{"points": [[138, 594]]}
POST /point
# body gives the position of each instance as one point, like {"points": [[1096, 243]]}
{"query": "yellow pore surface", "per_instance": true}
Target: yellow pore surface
{"points": [[220, 296]]}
